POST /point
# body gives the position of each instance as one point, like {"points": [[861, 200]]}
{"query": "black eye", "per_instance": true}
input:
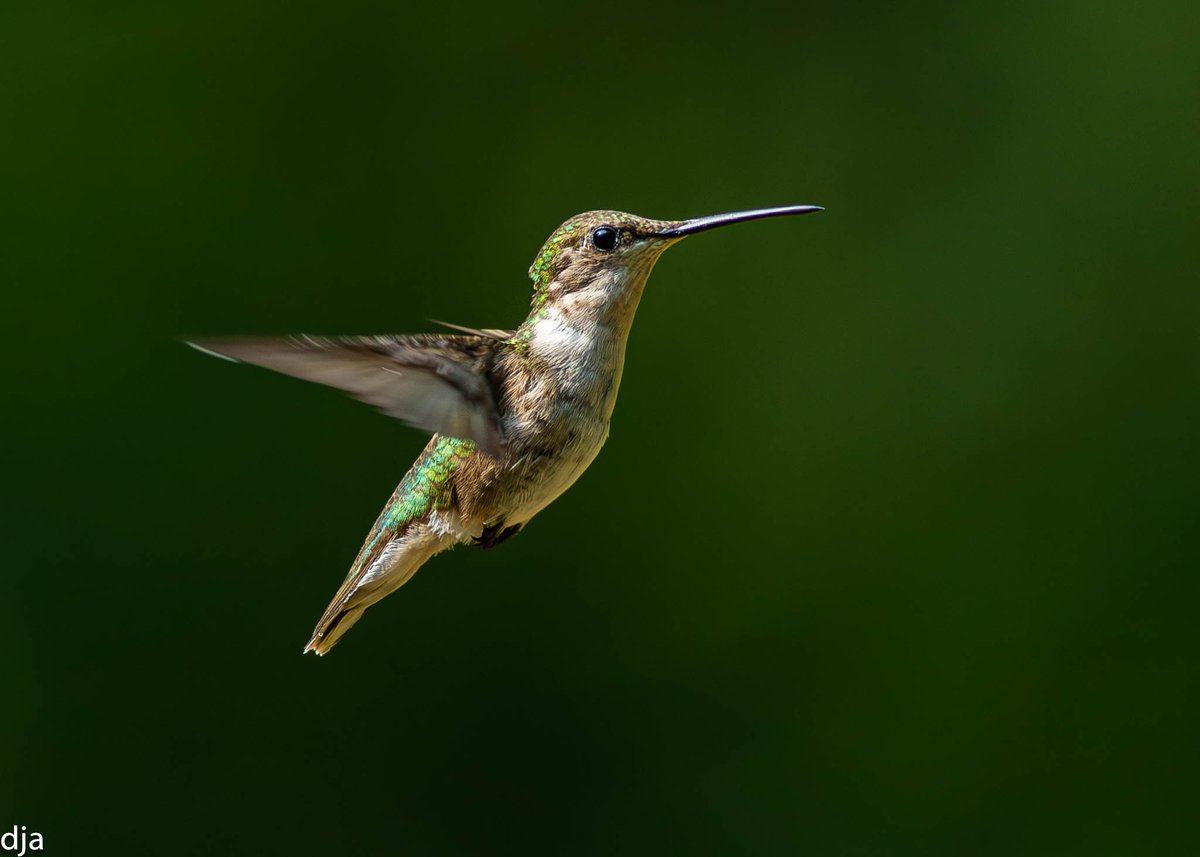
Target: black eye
{"points": [[605, 237]]}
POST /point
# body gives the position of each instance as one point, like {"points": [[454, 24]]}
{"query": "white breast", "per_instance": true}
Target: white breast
{"points": [[583, 358], [555, 338], [576, 384]]}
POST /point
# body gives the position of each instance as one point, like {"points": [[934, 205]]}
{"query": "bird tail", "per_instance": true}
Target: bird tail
{"points": [[386, 563]]}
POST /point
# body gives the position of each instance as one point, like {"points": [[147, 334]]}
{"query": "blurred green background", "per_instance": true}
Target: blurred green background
{"points": [[893, 548]]}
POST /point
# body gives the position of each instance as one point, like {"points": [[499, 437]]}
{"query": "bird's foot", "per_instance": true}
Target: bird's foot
{"points": [[493, 534]]}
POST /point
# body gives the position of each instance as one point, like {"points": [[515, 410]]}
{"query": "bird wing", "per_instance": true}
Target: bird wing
{"points": [[486, 332], [432, 382]]}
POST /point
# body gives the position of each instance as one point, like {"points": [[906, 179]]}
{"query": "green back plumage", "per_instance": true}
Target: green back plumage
{"points": [[426, 485], [424, 489]]}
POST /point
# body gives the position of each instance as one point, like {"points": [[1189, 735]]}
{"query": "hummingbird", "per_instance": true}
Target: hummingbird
{"points": [[516, 415]]}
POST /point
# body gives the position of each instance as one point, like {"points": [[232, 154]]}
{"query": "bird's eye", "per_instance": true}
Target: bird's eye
{"points": [[605, 237]]}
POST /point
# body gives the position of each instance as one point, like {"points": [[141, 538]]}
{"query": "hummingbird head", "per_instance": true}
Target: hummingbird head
{"points": [[596, 264]]}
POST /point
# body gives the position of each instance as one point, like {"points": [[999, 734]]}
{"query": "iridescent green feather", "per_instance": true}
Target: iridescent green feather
{"points": [[549, 262], [424, 489], [543, 269]]}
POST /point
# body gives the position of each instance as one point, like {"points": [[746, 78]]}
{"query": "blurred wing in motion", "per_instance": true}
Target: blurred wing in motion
{"points": [[432, 382]]}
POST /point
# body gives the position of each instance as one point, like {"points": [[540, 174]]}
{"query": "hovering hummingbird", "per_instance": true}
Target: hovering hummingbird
{"points": [[517, 415]]}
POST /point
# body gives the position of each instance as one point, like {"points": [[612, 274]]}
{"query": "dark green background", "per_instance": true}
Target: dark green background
{"points": [[894, 546]]}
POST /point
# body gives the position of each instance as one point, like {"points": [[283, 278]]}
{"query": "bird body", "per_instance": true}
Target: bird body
{"points": [[517, 415]]}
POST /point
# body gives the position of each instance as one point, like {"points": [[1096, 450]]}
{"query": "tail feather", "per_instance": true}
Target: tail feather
{"points": [[417, 522], [381, 568]]}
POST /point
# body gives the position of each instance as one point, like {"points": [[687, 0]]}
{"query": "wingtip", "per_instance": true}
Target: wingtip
{"points": [[486, 332], [191, 343]]}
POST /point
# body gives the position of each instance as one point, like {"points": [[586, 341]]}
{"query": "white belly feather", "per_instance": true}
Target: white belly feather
{"points": [[583, 363]]}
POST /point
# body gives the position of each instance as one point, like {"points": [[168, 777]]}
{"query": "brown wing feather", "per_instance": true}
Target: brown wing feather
{"points": [[436, 383], [487, 332]]}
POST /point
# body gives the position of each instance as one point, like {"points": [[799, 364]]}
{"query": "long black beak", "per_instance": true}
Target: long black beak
{"points": [[699, 224]]}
